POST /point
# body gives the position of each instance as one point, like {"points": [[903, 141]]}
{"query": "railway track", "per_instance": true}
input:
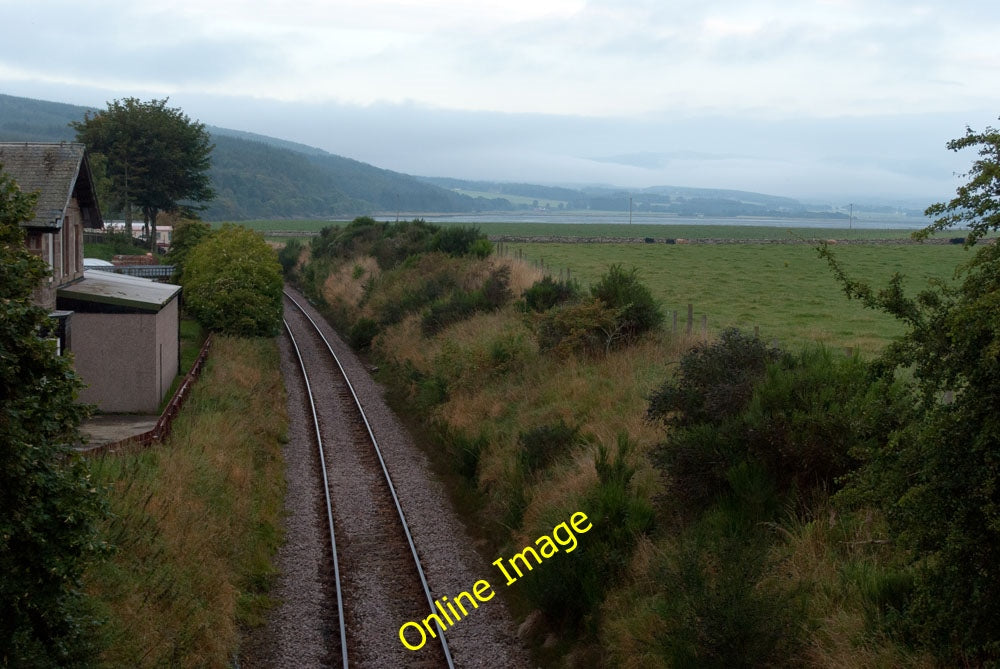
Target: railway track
{"points": [[375, 571]]}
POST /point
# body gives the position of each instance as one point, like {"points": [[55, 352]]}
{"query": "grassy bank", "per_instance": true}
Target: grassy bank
{"points": [[196, 520]]}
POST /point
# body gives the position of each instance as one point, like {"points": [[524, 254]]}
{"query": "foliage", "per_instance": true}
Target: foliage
{"points": [[187, 234], [541, 445], [460, 305], [976, 203], [156, 157], [801, 418], [572, 587], [715, 380], [621, 290], [48, 505], [587, 328], [937, 477], [232, 283], [546, 293], [460, 240], [288, 256]]}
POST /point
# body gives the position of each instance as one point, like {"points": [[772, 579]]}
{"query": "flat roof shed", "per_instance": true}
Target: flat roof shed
{"points": [[125, 339]]}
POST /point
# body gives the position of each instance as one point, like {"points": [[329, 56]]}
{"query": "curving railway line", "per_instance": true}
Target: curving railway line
{"points": [[374, 575]]}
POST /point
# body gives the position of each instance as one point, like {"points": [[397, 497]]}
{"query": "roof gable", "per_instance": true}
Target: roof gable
{"points": [[57, 171]]}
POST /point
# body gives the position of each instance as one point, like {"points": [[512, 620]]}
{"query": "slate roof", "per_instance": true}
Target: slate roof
{"points": [[57, 171]]}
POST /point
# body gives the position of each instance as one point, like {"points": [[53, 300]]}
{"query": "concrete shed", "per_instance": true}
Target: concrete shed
{"points": [[125, 339]]}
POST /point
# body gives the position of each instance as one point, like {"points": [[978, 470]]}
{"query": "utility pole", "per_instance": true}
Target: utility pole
{"points": [[630, 210]]}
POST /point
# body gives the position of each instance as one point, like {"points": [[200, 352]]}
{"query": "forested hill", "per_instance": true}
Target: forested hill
{"points": [[262, 177]]}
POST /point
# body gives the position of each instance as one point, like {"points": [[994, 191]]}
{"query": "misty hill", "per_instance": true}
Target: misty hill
{"points": [[256, 176], [677, 200], [262, 177]]}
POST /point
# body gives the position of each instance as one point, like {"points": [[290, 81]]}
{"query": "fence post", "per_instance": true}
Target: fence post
{"points": [[704, 326], [675, 322], [756, 332], [690, 323]]}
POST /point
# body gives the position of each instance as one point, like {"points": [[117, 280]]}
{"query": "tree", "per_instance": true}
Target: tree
{"points": [[938, 478], [156, 157], [232, 283], [48, 508], [977, 203], [187, 234]]}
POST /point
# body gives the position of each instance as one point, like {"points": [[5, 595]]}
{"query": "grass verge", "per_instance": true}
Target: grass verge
{"points": [[196, 520]]}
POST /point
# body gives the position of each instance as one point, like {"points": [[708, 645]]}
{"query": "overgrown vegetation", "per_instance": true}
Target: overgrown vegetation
{"points": [[196, 521]]}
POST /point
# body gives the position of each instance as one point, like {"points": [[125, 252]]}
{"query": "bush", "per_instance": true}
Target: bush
{"points": [[362, 333], [459, 240], [546, 293], [458, 307], [715, 380], [232, 284], [803, 418], [621, 290], [590, 327], [572, 586], [288, 256], [541, 445]]}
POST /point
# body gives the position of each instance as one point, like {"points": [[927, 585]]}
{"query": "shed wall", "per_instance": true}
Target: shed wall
{"points": [[115, 354]]}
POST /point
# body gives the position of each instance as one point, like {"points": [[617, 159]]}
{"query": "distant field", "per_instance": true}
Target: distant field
{"points": [[786, 290], [682, 231]]}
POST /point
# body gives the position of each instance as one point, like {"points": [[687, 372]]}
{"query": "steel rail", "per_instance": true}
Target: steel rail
{"points": [[385, 471], [326, 493]]}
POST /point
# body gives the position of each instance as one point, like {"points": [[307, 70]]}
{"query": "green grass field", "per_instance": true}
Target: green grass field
{"points": [[638, 230], [785, 290]]}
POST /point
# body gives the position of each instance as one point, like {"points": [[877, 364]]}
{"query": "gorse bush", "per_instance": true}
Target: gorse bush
{"points": [[715, 380], [547, 293], [586, 328], [801, 417], [638, 311], [570, 589]]}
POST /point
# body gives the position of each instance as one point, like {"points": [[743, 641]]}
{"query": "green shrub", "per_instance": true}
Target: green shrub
{"points": [[362, 333], [589, 327], [460, 240], [571, 586], [621, 290], [457, 307], [715, 380], [288, 256], [232, 284], [540, 445], [547, 293], [496, 288]]}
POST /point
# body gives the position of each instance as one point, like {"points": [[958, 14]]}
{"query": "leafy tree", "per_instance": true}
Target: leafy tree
{"points": [[156, 157], [938, 478], [48, 507], [232, 283]]}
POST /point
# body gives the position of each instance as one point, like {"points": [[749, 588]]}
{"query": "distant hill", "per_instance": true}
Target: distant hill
{"points": [[256, 176], [677, 200], [262, 177]]}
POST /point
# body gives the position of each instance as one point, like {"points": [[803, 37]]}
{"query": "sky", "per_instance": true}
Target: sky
{"points": [[824, 100]]}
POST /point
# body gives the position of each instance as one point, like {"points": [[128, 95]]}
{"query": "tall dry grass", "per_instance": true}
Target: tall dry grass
{"points": [[197, 519]]}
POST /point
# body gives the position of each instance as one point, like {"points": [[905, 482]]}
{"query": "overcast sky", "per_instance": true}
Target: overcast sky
{"points": [[840, 100]]}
